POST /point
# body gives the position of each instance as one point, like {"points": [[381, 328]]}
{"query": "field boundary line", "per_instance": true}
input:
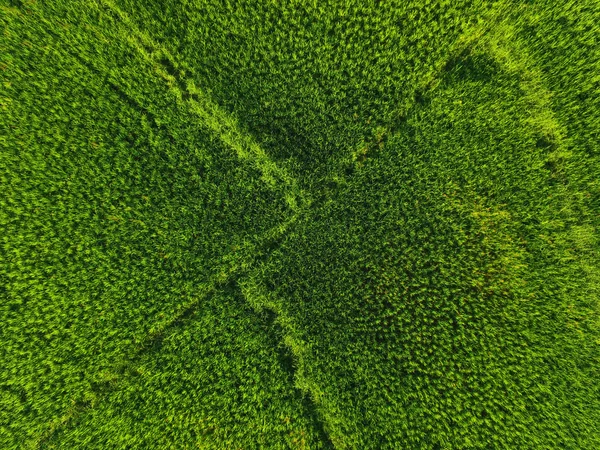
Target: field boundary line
{"points": [[227, 273], [219, 122], [514, 56], [463, 44], [260, 299]]}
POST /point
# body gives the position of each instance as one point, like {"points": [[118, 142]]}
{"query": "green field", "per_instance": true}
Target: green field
{"points": [[349, 224]]}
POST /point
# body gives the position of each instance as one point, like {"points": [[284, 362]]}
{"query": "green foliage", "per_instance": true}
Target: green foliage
{"points": [[352, 224], [311, 79], [120, 211], [439, 295], [181, 391]]}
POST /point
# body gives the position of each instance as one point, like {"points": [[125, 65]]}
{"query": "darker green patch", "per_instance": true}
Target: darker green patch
{"points": [[179, 75], [545, 142], [284, 355], [421, 98], [468, 67], [16, 3], [169, 66]]}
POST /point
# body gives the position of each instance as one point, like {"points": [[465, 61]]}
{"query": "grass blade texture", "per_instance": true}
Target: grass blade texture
{"points": [[299, 225], [122, 209]]}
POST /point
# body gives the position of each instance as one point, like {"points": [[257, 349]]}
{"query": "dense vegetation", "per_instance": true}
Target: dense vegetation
{"points": [[351, 224]]}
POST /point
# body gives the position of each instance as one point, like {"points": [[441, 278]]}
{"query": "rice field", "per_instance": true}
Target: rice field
{"points": [[299, 225]]}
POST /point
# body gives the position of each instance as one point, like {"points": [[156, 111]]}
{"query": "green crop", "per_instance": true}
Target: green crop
{"points": [[341, 224]]}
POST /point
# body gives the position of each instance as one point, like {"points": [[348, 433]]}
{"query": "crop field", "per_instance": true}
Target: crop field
{"points": [[260, 224]]}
